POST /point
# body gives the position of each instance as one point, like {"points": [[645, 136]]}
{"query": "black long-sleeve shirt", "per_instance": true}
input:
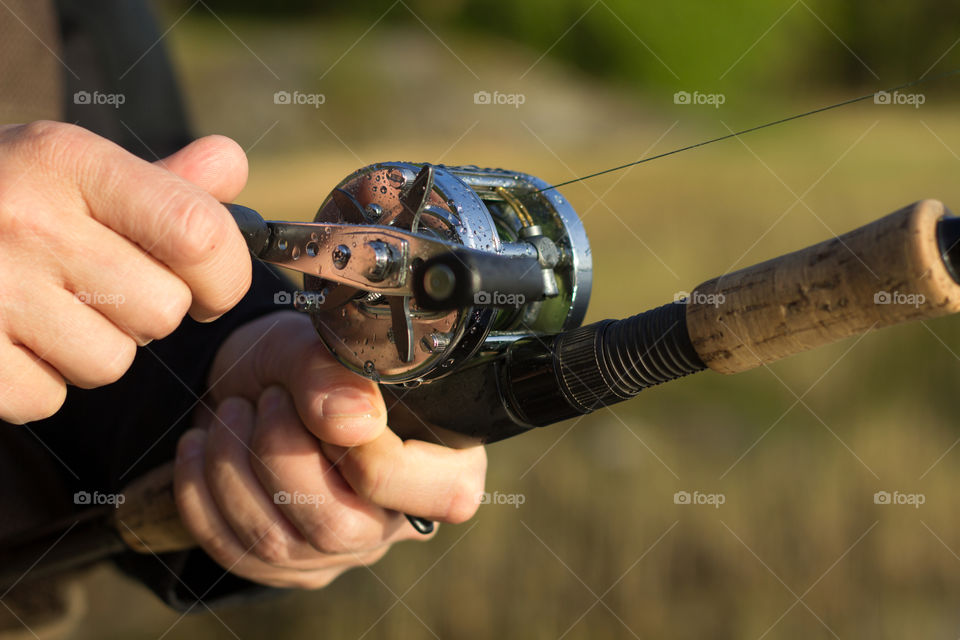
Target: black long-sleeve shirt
{"points": [[103, 438]]}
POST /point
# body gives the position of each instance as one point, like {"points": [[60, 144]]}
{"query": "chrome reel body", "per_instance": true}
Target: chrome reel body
{"points": [[390, 338]]}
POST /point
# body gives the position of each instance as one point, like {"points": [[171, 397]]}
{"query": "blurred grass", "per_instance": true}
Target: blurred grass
{"points": [[599, 518]]}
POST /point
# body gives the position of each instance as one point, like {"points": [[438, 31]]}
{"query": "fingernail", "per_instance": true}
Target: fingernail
{"points": [[191, 444], [346, 402]]}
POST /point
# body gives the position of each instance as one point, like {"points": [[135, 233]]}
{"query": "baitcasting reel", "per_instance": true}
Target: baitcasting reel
{"points": [[414, 270]]}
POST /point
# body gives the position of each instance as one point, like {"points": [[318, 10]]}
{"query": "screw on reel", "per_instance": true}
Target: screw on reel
{"points": [[524, 268]]}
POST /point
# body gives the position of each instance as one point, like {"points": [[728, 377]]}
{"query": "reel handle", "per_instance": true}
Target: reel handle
{"points": [[896, 269]]}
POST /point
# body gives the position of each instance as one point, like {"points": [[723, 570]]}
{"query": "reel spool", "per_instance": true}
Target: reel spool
{"points": [[393, 339]]}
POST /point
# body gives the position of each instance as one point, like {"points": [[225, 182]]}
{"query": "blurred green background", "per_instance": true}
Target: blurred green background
{"points": [[599, 549]]}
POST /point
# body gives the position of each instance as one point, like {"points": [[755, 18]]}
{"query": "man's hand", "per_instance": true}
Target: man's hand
{"points": [[101, 251], [297, 478]]}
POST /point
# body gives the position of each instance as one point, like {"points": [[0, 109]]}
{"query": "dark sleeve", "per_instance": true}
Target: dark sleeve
{"points": [[116, 47], [104, 438]]}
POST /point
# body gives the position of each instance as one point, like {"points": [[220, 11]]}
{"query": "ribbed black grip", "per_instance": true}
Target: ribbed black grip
{"points": [[649, 348], [543, 380], [613, 360], [578, 363]]}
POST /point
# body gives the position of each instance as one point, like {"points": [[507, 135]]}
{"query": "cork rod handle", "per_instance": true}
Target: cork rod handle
{"points": [[881, 274], [148, 520]]}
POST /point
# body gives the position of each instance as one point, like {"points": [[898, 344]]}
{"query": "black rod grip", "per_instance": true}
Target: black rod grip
{"points": [[598, 365], [543, 380]]}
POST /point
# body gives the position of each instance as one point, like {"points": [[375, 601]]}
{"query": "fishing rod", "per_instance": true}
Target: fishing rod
{"points": [[462, 292]]}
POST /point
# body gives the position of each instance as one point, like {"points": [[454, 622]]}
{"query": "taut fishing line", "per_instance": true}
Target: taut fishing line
{"points": [[906, 85]]}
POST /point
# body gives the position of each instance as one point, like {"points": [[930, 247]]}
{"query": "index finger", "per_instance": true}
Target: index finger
{"points": [[175, 221]]}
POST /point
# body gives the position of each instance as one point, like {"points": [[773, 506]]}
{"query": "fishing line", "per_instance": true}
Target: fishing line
{"points": [[844, 103]]}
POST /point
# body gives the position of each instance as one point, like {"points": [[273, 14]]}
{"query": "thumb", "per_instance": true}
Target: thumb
{"points": [[216, 164], [336, 405]]}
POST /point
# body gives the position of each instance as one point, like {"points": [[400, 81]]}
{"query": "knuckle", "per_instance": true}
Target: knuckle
{"points": [[40, 407], [477, 461], [322, 539], [167, 314], [45, 133], [270, 545], [463, 501], [216, 545], [346, 535], [195, 226], [49, 405], [51, 142], [116, 357]]}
